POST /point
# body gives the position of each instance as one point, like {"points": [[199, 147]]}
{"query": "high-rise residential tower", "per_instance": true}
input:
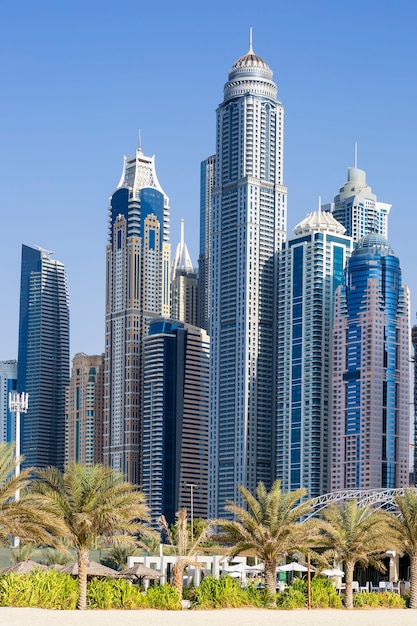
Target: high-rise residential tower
{"points": [[84, 410], [137, 288], [8, 382], [310, 269], [204, 275], [357, 208], [248, 229], [175, 419], [371, 372], [184, 285], [414, 342], [43, 357]]}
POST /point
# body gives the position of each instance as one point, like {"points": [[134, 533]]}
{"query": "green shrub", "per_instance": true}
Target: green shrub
{"points": [[294, 596], [46, 589], [225, 592], [323, 594], [101, 594], [162, 597], [385, 599]]}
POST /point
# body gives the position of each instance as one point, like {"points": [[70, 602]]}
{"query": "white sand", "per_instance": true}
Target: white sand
{"points": [[225, 617]]}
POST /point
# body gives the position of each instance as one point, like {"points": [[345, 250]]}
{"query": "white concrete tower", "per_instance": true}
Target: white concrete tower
{"points": [[248, 229]]}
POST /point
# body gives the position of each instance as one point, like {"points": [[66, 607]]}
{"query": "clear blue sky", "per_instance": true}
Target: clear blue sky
{"points": [[80, 78]]}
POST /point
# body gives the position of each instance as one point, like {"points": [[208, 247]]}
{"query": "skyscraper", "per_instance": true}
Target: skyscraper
{"points": [[371, 378], [356, 207], [137, 288], [204, 274], [8, 382], [175, 420], [184, 285], [84, 410], [43, 356], [311, 267], [414, 342], [248, 226]]}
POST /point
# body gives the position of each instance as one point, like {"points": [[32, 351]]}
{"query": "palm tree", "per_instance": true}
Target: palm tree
{"points": [[354, 534], [270, 526], [21, 517], [178, 539], [95, 504], [405, 527]]}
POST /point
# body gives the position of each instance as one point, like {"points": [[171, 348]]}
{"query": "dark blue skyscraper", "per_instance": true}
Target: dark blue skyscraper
{"points": [[371, 363], [175, 419], [43, 359]]}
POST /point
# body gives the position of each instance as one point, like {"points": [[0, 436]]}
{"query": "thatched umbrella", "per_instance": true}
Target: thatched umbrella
{"points": [[24, 567], [141, 571], [94, 570]]}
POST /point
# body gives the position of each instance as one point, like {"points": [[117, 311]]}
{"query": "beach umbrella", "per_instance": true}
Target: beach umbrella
{"points": [[332, 573], [24, 567], [292, 567], [141, 571], [94, 570]]}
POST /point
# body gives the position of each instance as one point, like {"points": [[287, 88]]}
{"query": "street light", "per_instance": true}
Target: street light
{"points": [[191, 486], [18, 403]]}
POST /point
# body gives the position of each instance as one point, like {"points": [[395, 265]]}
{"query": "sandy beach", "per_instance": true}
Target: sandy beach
{"points": [[228, 617]]}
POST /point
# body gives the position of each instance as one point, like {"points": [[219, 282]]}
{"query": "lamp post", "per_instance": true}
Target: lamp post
{"points": [[18, 403], [191, 486]]}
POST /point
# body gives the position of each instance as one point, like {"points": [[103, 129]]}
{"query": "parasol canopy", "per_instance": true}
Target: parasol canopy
{"points": [[94, 570], [24, 567], [332, 573], [140, 571]]}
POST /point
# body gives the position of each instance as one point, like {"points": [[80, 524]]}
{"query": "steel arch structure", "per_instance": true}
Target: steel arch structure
{"points": [[377, 498]]}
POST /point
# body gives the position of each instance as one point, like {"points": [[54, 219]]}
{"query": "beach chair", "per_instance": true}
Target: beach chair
{"points": [[396, 587]]}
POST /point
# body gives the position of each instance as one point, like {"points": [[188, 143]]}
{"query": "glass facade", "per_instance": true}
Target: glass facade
{"points": [[248, 228], [137, 287], [310, 268], [43, 357], [175, 419], [371, 371]]}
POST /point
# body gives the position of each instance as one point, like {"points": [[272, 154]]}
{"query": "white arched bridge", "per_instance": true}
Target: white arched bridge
{"points": [[377, 498]]}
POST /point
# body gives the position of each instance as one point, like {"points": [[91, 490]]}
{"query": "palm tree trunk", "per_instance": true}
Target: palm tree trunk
{"points": [[177, 572], [349, 579], [271, 578], [83, 558], [413, 581]]}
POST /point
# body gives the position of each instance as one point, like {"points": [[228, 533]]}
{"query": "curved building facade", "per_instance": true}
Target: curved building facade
{"points": [[371, 372]]}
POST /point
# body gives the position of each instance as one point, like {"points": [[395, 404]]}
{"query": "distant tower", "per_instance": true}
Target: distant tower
{"points": [[248, 229], [371, 378], [310, 269], [43, 357], [8, 383], [204, 265], [84, 410], [356, 207], [137, 288], [414, 341], [184, 285], [175, 421]]}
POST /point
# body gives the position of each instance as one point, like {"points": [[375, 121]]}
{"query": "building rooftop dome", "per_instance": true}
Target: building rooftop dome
{"points": [[250, 74], [319, 221], [377, 242], [250, 59]]}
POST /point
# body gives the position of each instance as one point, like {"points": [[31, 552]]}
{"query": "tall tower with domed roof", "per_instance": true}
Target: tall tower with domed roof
{"points": [[248, 229]]}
